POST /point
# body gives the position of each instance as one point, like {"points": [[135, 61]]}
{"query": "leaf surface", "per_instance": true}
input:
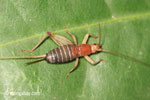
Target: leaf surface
{"points": [[125, 29]]}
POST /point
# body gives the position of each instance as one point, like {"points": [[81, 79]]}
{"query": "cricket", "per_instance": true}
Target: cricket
{"points": [[68, 51]]}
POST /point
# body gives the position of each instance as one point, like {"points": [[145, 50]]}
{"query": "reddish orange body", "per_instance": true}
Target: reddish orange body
{"points": [[82, 50]]}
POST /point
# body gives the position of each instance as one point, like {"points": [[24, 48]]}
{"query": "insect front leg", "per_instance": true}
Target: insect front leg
{"points": [[93, 62], [86, 37], [75, 66], [73, 36]]}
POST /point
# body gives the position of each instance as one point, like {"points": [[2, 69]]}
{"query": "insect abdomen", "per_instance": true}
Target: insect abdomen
{"points": [[61, 54]]}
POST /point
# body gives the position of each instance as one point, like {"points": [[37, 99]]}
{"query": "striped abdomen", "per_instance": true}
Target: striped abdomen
{"points": [[61, 54], [68, 53]]}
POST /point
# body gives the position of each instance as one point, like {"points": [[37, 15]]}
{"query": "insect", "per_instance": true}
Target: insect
{"points": [[68, 51]]}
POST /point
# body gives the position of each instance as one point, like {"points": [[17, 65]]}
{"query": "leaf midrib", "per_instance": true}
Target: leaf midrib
{"points": [[108, 21]]}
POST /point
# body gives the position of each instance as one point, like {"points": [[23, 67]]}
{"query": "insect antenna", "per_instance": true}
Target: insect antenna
{"points": [[128, 57], [100, 44], [99, 35]]}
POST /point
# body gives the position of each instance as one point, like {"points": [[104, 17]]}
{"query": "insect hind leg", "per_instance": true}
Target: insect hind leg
{"points": [[38, 44]]}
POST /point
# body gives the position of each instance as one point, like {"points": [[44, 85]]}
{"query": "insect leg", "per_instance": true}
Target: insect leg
{"points": [[59, 40], [36, 46], [93, 62], [73, 36], [75, 66], [86, 38]]}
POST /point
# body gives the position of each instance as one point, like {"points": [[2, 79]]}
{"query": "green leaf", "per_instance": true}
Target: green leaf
{"points": [[125, 29]]}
